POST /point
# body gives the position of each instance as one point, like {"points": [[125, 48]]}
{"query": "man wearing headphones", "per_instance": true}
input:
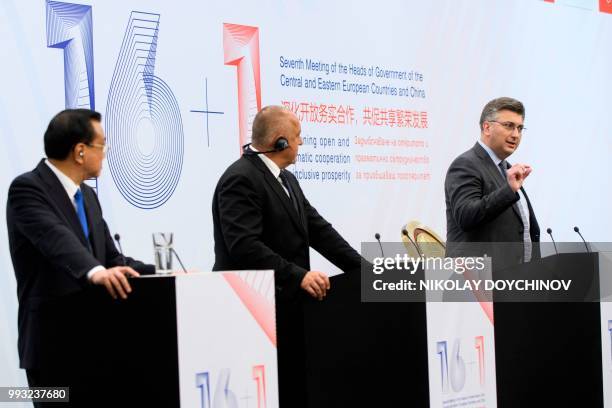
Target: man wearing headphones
{"points": [[262, 220]]}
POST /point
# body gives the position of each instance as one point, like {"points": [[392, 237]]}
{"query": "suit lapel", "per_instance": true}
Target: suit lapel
{"points": [[60, 198], [494, 173], [528, 202], [492, 169], [279, 191]]}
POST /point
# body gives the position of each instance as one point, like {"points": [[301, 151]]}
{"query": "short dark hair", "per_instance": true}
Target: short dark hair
{"points": [[489, 112], [66, 129]]}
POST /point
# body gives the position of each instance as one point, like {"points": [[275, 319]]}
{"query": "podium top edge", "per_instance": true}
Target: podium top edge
{"points": [[197, 273]]}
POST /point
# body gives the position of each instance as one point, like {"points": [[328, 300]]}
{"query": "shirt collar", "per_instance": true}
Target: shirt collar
{"points": [[491, 153], [69, 185], [273, 167]]}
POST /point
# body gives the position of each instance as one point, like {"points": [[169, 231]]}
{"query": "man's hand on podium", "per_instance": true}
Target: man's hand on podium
{"points": [[316, 284], [115, 280]]}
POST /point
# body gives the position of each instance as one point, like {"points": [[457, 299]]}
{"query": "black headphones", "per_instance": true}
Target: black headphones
{"points": [[281, 144]]}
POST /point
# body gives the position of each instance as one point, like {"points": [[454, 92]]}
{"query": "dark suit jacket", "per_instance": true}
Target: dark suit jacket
{"points": [[50, 253], [480, 205], [257, 227]]}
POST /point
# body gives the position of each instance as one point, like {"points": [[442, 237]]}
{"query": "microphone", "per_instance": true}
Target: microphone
{"points": [[178, 258], [405, 233], [377, 236], [577, 231], [549, 231], [173, 251], [118, 240]]}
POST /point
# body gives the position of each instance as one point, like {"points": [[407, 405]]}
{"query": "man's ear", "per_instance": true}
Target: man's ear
{"points": [[78, 153], [486, 128]]}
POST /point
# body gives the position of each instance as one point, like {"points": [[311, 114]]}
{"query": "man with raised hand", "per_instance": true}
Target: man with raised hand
{"points": [[485, 198]]}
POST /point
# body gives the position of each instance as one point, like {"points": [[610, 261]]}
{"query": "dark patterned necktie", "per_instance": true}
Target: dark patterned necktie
{"points": [[292, 197]]}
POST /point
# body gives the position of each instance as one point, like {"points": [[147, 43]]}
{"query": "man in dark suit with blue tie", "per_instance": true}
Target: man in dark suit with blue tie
{"points": [[262, 220], [485, 198], [59, 242]]}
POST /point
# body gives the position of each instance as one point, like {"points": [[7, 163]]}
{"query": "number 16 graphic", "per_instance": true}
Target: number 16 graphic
{"points": [[142, 119]]}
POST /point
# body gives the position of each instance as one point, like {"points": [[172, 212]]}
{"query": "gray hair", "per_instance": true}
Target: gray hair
{"points": [[268, 121], [489, 112]]}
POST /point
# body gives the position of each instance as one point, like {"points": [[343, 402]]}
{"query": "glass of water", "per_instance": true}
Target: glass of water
{"points": [[162, 252]]}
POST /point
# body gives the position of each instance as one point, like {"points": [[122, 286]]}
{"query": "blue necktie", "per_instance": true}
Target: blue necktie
{"points": [[80, 207]]}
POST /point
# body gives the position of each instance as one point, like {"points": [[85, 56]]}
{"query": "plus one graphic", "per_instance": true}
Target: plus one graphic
{"points": [[241, 48], [224, 396]]}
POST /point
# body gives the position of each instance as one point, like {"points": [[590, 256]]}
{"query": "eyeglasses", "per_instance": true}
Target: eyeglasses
{"points": [[104, 146], [510, 126]]}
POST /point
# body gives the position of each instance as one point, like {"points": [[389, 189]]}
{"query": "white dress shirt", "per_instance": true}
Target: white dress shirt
{"points": [[273, 167]]}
